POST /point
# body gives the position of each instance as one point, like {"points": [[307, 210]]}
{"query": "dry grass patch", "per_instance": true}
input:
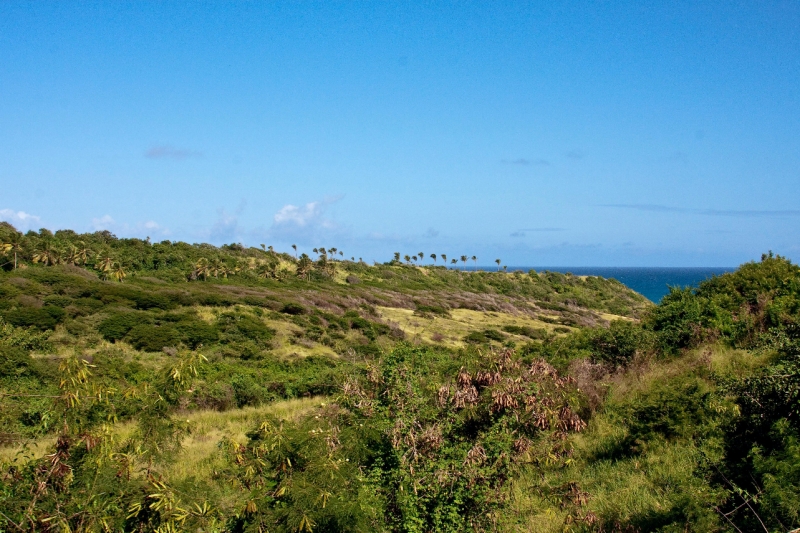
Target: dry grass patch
{"points": [[198, 458], [450, 331]]}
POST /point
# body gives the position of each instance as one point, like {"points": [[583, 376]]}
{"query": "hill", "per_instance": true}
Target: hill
{"points": [[168, 386]]}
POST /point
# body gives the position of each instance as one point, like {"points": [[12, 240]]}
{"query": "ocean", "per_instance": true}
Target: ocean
{"points": [[652, 282]]}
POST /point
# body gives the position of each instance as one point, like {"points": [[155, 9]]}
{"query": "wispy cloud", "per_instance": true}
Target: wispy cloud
{"points": [[525, 162], [170, 152], [743, 213], [149, 228], [523, 231], [20, 219]]}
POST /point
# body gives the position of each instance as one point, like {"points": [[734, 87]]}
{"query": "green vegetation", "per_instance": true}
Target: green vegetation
{"points": [[175, 387]]}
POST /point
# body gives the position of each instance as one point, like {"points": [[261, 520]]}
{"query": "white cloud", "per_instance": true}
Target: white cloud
{"points": [[142, 229], [20, 219], [309, 214], [303, 224], [103, 223]]}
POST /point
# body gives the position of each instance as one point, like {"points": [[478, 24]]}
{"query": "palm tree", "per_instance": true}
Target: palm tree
{"points": [[47, 254], [13, 243], [270, 249], [295, 250], [498, 264], [201, 268], [304, 266], [397, 256], [433, 256], [444, 259], [118, 272], [83, 253], [464, 260], [454, 261], [421, 256], [407, 258], [264, 247], [264, 270], [104, 263], [475, 261], [72, 255]]}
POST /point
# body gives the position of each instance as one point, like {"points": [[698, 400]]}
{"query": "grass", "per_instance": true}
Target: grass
{"points": [[198, 457], [645, 480], [206, 429], [450, 331]]}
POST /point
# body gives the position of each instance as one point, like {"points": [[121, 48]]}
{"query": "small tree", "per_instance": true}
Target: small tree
{"points": [[498, 264], [118, 273], [13, 243], [433, 256]]}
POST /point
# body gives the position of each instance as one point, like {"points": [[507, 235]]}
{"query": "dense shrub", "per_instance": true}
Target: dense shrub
{"points": [[117, 326], [293, 309], [195, 333], [15, 363], [619, 343], [677, 320], [476, 337], [238, 327], [152, 338], [532, 333], [47, 317]]}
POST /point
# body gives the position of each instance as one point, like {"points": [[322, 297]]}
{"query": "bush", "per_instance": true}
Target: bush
{"points": [[15, 363], [619, 343], [238, 328], [494, 335], [292, 308], [428, 311], [194, 333], [47, 317], [677, 320], [150, 338], [58, 300], [247, 392], [116, 326], [532, 333], [476, 337]]}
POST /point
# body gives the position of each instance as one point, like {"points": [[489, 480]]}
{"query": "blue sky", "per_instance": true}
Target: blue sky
{"points": [[592, 133]]}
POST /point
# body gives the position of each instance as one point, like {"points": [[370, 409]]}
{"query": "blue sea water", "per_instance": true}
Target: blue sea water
{"points": [[652, 282]]}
